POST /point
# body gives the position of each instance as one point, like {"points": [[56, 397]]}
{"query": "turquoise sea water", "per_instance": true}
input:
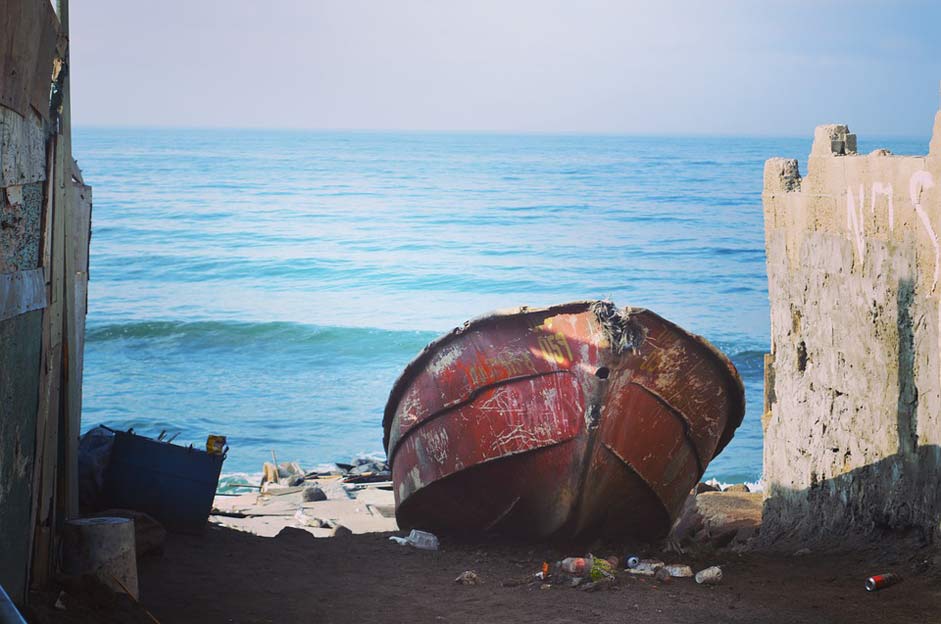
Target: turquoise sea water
{"points": [[271, 285]]}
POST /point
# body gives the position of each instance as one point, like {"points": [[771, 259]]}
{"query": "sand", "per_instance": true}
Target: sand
{"points": [[231, 576]]}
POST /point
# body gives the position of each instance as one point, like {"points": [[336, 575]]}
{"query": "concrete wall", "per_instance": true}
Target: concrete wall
{"points": [[852, 417]]}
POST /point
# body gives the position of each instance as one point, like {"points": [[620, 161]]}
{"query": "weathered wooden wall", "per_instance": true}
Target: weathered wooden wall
{"points": [[45, 212]]}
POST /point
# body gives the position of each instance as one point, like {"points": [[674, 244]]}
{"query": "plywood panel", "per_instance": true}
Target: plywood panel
{"points": [[19, 378], [22, 148], [21, 292], [41, 80], [28, 33]]}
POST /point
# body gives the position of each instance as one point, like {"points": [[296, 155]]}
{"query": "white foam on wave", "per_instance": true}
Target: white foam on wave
{"points": [[753, 486]]}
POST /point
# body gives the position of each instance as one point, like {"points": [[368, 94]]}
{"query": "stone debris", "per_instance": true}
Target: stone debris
{"points": [[729, 519], [468, 577], [325, 504], [313, 494]]}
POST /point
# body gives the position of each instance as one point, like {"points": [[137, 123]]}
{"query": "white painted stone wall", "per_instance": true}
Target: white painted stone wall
{"points": [[852, 417]]}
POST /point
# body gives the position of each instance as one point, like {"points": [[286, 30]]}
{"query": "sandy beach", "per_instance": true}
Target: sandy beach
{"points": [[231, 576]]}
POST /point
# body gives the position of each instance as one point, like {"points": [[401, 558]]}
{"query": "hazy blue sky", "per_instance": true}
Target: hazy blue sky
{"points": [[709, 67]]}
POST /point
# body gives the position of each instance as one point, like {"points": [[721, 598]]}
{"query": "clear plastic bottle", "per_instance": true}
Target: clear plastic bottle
{"points": [[578, 566], [423, 540]]}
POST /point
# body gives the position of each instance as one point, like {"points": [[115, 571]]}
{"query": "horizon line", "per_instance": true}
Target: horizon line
{"points": [[503, 132]]}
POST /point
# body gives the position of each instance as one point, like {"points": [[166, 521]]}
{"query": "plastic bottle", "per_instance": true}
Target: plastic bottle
{"points": [[579, 566], [423, 540]]}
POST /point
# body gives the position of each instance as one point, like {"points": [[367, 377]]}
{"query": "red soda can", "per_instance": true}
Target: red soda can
{"points": [[881, 581]]}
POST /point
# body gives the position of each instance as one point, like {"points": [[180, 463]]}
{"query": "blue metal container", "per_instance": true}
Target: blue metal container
{"points": [[174, 484]]}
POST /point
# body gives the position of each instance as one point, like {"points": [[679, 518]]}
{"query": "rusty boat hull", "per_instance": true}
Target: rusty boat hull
{"points": [[577, 420]]}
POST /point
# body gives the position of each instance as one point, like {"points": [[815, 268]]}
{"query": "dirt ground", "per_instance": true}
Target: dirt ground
{"points": [[227, 576]]}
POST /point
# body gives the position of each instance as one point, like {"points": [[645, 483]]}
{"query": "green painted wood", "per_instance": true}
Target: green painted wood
{"points": [[20, 350]]}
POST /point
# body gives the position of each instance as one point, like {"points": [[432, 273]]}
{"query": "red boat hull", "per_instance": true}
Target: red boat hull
{"points": [[574, 420]]}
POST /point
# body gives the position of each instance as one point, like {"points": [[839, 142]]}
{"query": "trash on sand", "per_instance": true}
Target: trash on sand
{"points": [[60, 604], [710, 576], [468, 577], [631, 561], [304, 520], [575, 565], [679, 570], [418, 539], [881, 581], [663, 575], [601, 569], [646, 567], [802, 552], [613, 560], [543, 572]]}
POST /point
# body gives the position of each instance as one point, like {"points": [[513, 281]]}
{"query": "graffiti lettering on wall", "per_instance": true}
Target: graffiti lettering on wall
{"points": [[855, 202], [918, 183]]}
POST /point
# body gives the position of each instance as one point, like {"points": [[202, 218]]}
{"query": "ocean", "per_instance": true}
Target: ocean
{"points": [[270, 286]]}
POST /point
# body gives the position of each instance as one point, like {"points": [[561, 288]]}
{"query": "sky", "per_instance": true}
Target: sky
{"points": [[717, 67]]}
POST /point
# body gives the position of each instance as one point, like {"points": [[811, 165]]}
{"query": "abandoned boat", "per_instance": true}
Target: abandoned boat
{"points": [[577, 420]]}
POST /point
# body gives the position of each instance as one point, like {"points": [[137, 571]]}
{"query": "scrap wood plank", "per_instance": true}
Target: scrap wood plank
{"points": [[70, 418], [41, 80], [21, 292], [28, 35], [77, 215], [46, 487], [47, 421], [19, 46], [22, 149]]}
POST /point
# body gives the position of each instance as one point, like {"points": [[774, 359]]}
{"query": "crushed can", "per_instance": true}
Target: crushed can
{"points": [[710, 576]]}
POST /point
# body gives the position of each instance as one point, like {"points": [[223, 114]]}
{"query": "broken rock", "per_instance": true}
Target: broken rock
{"points": [[468, 577]]}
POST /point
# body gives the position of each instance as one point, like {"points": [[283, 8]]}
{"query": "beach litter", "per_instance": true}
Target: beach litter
{"points": [[422, 540], [576, 566], [678, 570], [646, 567], [881, 581], [543, 572], [710, 576]]}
